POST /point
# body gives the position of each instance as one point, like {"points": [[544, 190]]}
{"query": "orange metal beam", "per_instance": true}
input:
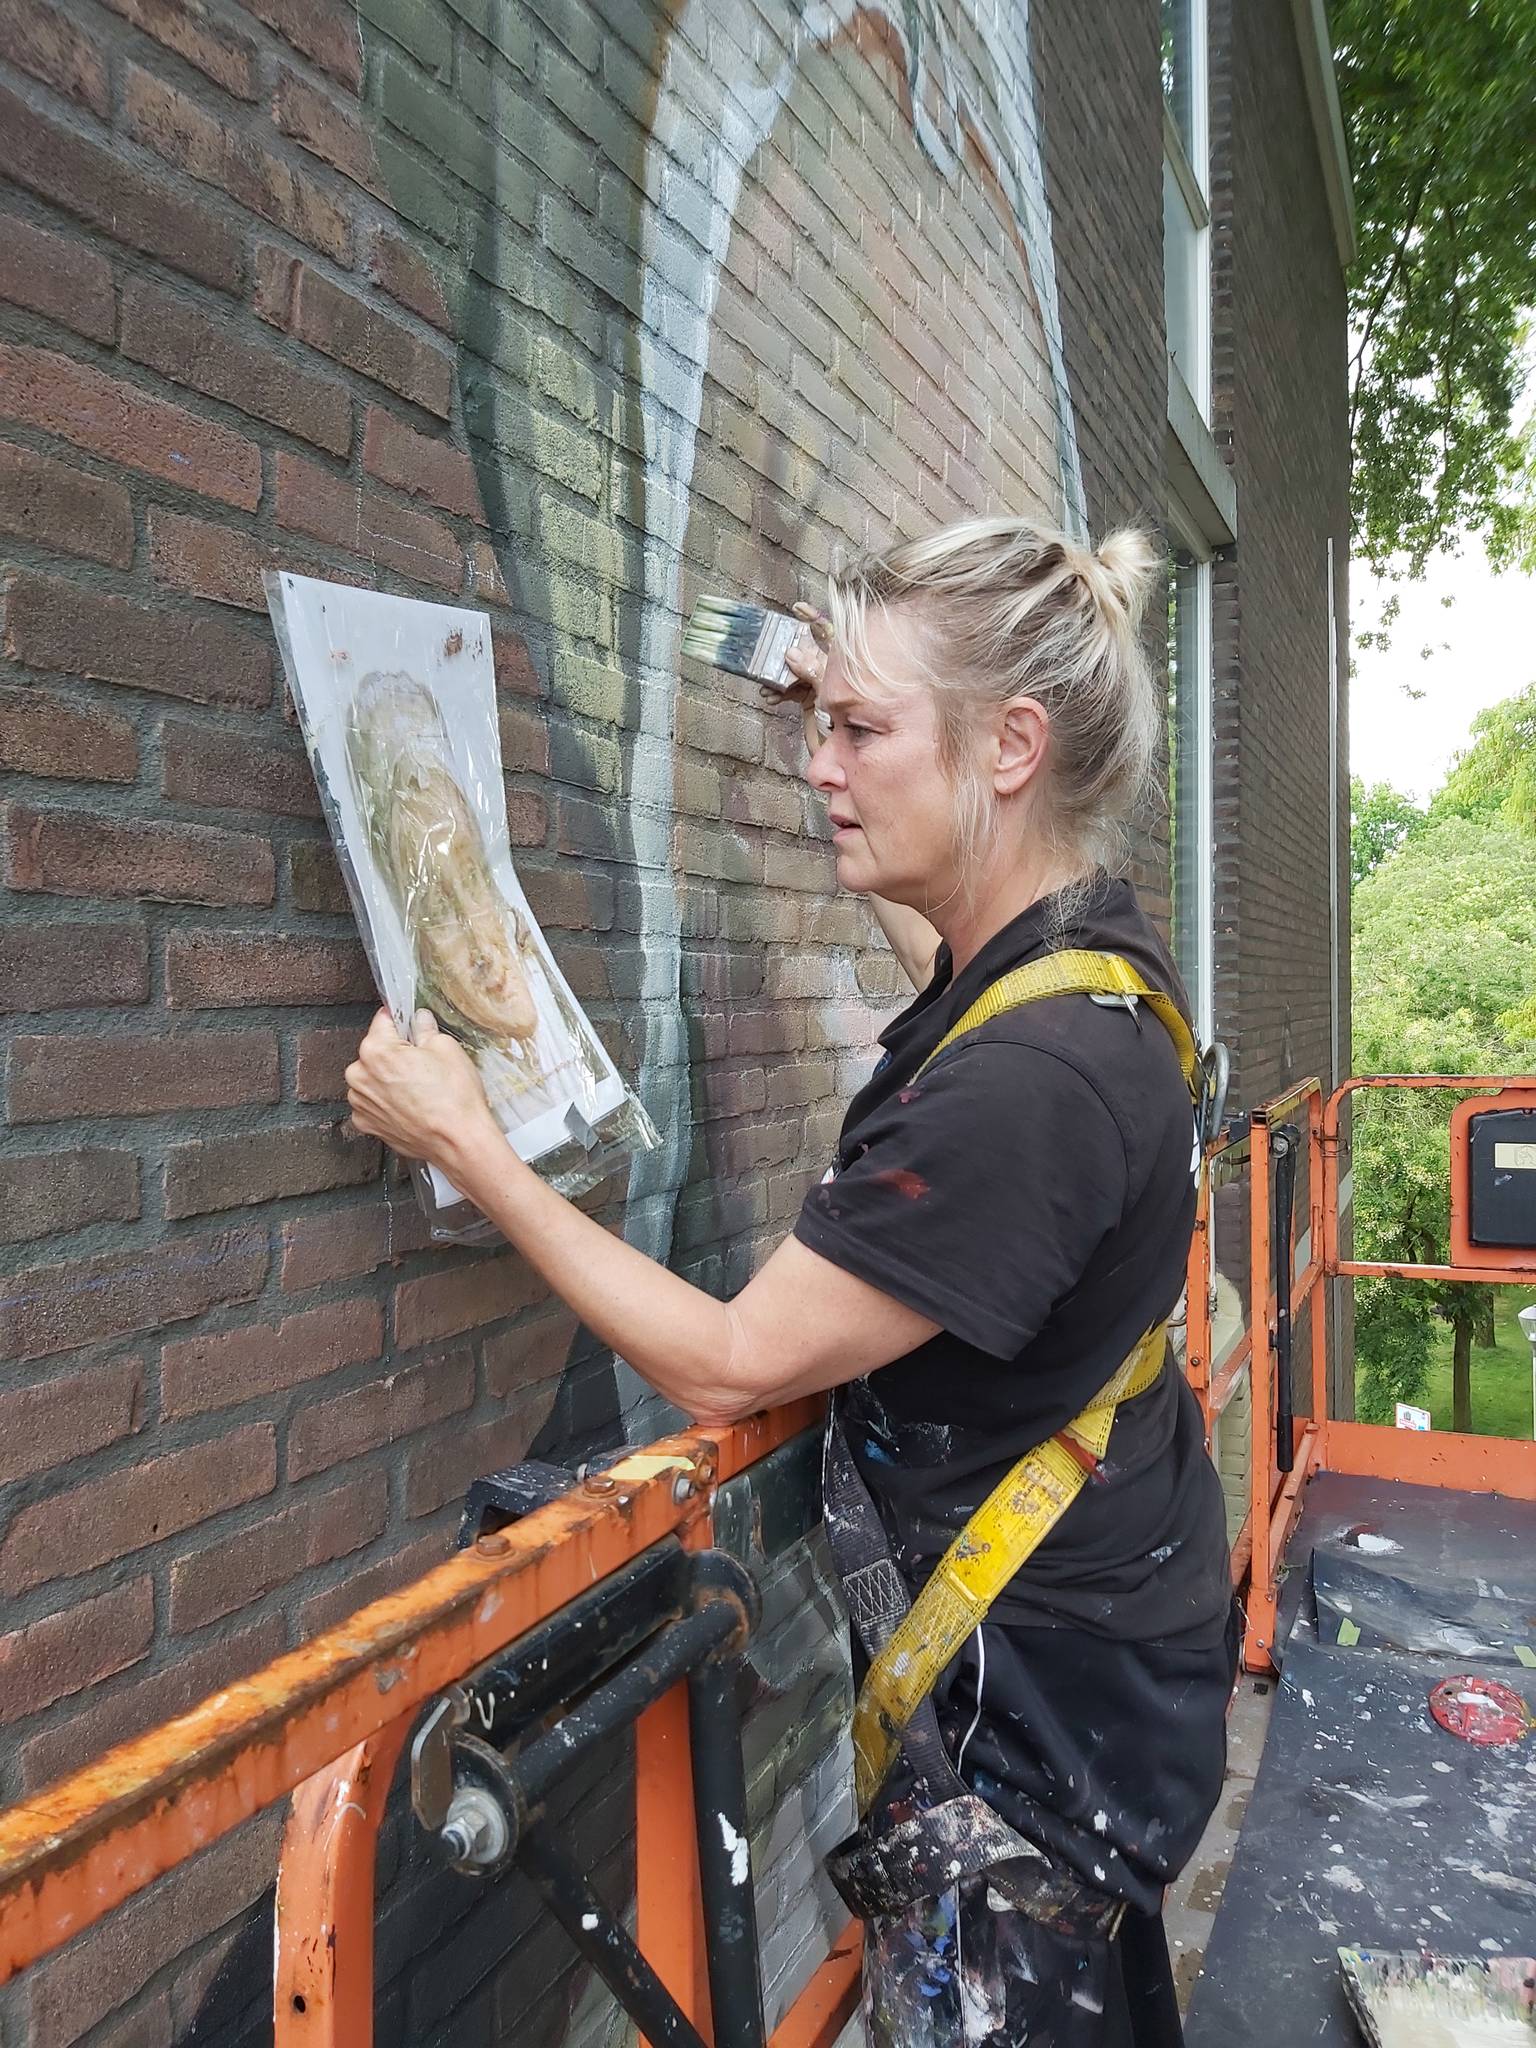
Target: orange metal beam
{"points": [[80, 1847], [1469, 1464], [819, 2015], [322, 1989]]}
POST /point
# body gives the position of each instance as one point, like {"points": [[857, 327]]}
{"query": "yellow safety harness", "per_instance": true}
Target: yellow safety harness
{"points": [[1020, 1512]]}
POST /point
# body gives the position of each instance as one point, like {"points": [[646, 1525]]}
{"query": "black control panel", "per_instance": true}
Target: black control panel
{"points": [[1502, 1147]]}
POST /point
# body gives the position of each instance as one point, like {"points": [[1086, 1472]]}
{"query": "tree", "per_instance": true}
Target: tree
{"points": [[1439, 107], [1380, 819], [1445, 934], [1495, 778]]}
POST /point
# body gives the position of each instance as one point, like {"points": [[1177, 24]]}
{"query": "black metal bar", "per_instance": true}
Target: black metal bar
{"points": [[607, 1946], [725, 1856], [1284, 1141], [671, 1655], [563, 1657]]}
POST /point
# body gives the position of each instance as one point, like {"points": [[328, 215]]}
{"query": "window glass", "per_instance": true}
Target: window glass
{"points": [[1180, 22], [1190, 821]]}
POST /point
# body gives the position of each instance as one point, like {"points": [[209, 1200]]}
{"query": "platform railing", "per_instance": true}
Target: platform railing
{"points": [[1307, 1125], [326, 1725]]}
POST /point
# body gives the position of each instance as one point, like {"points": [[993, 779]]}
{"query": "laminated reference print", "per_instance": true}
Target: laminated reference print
{"points": [[397, 701]]}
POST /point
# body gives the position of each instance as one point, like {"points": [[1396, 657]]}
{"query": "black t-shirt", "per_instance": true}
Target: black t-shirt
{"points": [[1032, 1192]]}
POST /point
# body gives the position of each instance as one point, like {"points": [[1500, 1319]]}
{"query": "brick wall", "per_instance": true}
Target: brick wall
{"points": [[570, 310]]}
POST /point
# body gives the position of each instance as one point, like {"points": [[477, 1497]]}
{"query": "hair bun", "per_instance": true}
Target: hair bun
{"points": [[1119, 571]]}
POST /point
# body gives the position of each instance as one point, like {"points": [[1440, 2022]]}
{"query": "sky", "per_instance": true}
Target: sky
{"points": [[1484, 648]]}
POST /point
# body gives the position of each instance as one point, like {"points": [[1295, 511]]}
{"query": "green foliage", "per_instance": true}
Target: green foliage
{"points": [[1445, 937], [1440, 109], [1495, 778], [1380, 819]]}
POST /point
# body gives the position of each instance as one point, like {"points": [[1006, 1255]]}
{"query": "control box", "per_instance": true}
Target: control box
{"points": [[1493, 1180]]}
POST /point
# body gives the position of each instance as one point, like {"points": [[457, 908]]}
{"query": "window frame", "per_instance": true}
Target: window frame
{"points": [[1186, 539], [1188, 168]]}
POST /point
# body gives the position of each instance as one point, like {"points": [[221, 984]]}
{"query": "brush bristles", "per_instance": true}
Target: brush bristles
{"points": [[745, 639]]}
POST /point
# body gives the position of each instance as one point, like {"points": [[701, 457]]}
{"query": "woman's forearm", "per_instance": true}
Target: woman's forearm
{"points": [[674, 1335]]}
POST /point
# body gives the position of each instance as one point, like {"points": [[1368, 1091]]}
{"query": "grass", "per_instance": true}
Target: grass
{"points": [[1501, 1378]]}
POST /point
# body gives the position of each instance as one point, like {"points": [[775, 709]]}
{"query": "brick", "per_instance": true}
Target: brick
{"points": [[315, 880], [360, 1239], [410, 278], [325, 30], [326, 1433], [60, 626], [177, 129], [225, 1367], [44, 1192], [63, 280], [524, 740], [374, 1582], [107, 416], [461, 1296], [328, 130], [65, 1653], [56, 966], [189, 345], [70, 1992], [264, 1166], [52, 1421], [40, 40], [527, 818], [230, 771], [45, 735], [420, 465], [183, 26], [232, 970], [330, 508], [267, 1554], [292, 296], [323, 1058], [97, 184], [122, 1512], [226, 564], [47, 1309], [441, 1470], [72, 853], [124, 1711], [54, 506], [530, 1354], [139, 1075]]}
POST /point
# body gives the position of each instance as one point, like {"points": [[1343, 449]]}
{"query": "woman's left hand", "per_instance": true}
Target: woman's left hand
{"points": [[424, 1100]]}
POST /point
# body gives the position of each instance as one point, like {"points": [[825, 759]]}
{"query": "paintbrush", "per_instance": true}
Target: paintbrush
{"points": [[745, 639], [1430, 2001]]}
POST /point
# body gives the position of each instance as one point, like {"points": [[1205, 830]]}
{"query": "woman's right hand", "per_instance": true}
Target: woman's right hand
{"points": [[807, 662]]}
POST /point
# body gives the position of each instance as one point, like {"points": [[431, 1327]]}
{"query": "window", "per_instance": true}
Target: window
{"points": [[1186, 197], [1191, 818]]}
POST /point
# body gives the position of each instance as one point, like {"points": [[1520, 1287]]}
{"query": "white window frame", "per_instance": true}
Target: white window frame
{"points": [[1188, 170], [1186, 536]]}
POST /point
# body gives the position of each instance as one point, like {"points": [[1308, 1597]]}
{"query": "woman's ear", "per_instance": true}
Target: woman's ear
{"points": [[1023, 737]]}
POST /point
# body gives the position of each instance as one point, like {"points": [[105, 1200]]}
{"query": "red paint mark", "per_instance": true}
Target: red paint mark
{"points": [[909, 1095], [1480, 1710], [454, 644], [902, 1179]]}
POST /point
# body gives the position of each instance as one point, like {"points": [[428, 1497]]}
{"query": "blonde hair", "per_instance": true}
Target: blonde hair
{"points": [[1006, 608]]}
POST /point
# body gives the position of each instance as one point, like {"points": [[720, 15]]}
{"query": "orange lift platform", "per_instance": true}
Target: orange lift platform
{"points": [[1375, 1564]]}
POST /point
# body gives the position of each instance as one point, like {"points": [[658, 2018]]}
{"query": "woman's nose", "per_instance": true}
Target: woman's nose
{"points": [[824, 770]]}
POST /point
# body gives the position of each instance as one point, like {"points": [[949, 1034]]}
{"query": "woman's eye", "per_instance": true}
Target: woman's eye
{"points": [[858, 731], [824, 723]]}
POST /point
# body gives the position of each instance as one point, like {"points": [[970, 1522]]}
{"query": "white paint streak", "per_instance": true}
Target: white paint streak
{"points": [[736, 1848]]}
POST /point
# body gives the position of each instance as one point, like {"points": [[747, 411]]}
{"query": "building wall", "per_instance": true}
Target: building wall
{"points": [[570, 310]]}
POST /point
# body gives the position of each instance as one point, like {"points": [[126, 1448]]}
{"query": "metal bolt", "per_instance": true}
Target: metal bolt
{"points": [[493, 1545], [600, 1482], [682, 1488], [475, 1831]]}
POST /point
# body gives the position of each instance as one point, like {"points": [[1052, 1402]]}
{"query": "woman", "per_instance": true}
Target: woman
{"points": [[1005, 1225]]}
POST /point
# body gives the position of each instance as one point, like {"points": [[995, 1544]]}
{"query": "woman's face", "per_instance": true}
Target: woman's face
{"points": [[878, 768]]}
